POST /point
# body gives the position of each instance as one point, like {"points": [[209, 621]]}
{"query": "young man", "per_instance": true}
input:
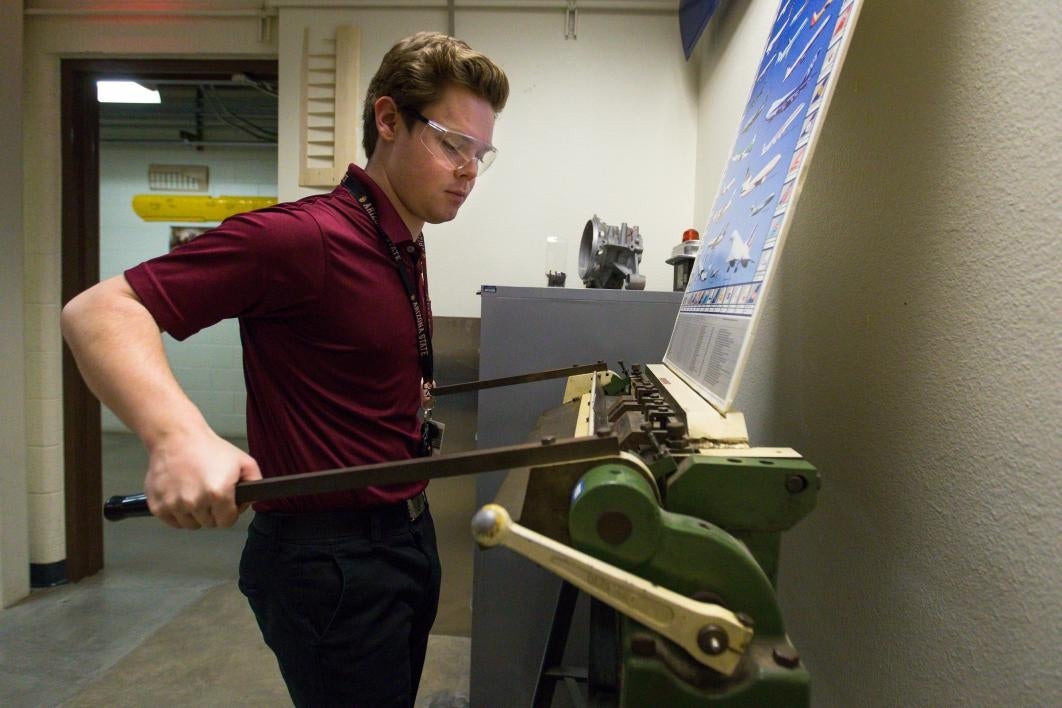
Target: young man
{"points": [[335, 320]]}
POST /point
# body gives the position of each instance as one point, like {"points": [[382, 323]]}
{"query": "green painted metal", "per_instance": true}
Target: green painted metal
{"points": [[618, 385], [744, 493], [615, 488], [760, 682], [662, 468], [687, 555], [615, 517], [754, 499], [764, 547]]}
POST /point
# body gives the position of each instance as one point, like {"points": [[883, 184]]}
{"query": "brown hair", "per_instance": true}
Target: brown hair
{"points": [[418, 68]]}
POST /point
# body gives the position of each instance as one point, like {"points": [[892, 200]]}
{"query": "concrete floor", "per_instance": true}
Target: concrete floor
{"points": [[164, 622]]}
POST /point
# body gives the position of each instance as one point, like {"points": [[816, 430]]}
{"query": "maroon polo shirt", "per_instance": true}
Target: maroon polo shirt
{"points": [[329, 339]]}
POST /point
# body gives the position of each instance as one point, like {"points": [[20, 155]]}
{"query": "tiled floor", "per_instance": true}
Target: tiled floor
{"points": [[165, 624]]}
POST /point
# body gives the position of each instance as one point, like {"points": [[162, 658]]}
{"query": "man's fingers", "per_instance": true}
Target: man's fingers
{"points": [[168, 519], [195, 487], [205, 518], [225, 513], [187, 521], [249, 469]]}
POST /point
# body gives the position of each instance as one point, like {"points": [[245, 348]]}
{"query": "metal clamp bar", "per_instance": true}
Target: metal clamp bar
{"points": [[519, 379]]}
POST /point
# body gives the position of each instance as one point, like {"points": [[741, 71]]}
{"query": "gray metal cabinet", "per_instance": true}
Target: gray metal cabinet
{"points": [[524, 330]]}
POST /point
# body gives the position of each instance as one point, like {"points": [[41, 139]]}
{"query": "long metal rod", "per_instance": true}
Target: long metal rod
{"points": [[519, 379], [546, 452], [404, 471]]}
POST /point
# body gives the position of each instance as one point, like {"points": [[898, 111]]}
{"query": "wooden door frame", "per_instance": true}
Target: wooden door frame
{"points": [[79, 258]]}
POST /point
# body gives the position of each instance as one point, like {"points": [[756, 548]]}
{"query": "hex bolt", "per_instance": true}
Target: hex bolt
{"points": [[745, 619], [712, 640], [603, 431], [548, 440], [786, 657], [796, 483], [642, 645]]}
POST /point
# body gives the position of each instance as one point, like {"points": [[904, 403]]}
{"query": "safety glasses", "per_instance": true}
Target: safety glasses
{"points": [[452, 148]]}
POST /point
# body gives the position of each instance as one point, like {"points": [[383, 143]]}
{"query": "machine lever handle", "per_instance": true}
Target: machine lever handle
{"points": [[121, 507], [713, 635]]}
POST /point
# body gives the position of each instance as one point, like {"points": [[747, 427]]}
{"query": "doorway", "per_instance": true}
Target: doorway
{"points": [[205, 104]]}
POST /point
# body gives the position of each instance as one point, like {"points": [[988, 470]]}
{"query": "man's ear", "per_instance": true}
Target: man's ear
{"points": [[386, 118]]}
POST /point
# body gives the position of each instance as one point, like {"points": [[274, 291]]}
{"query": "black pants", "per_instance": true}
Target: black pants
{"points": [[346, 601]]}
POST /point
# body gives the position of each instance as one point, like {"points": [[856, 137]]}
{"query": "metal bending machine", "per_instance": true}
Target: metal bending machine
{"points": [[641, 495], [677, 529]]}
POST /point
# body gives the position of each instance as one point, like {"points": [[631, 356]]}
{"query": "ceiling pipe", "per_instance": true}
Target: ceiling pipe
{"points": [[269, 8]]}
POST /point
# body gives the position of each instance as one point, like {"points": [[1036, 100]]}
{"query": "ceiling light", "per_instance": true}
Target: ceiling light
{"points": [[125, 92]]}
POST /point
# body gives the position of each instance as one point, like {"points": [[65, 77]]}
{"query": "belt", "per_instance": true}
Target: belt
{"points": [[375, 522]]}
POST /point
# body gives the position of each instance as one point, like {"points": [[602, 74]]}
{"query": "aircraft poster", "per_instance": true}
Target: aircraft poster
{"points": [[747, 225]]}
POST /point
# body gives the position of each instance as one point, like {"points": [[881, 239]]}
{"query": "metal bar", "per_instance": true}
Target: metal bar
{"points": [[522, 378], [546, 452], [403, 471]]}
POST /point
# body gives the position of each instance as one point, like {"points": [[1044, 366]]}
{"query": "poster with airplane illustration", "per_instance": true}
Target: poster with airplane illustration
{"points": [[752, 211]]}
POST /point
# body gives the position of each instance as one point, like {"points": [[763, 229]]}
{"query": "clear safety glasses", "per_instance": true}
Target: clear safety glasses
{"points": [[453, 148]]}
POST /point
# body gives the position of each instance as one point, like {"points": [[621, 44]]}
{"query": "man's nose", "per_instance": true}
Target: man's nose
{"points": [[469, 170]]}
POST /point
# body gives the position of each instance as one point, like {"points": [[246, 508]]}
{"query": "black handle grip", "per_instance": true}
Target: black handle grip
{"points": [[121, 507]]}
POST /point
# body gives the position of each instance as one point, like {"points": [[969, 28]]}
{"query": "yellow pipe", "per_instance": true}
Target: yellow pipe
{"points": [[176, 207]]}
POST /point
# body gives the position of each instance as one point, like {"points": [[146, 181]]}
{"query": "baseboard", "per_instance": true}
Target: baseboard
{"points": [[46, 575]]}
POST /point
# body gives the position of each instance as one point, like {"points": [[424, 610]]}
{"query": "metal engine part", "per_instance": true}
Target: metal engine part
{"points": [[609, 256]]}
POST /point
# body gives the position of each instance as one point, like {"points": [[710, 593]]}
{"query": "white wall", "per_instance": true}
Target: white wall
{"points": [[911, 351], [602, 124], [209, 364], [14, 555]]}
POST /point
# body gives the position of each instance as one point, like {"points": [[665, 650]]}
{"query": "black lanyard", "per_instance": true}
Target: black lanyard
{"points": [[424, 350]]}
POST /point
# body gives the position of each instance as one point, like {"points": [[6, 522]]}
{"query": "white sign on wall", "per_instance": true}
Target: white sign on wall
{"points": [[753, 208]]}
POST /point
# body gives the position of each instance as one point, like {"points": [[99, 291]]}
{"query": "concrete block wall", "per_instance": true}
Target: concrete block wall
{"points": [[14, 563], [208, 364], [43, 410]]}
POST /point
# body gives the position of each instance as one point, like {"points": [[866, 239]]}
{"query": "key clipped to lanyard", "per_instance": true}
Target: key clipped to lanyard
{"points": [[431, 430]]}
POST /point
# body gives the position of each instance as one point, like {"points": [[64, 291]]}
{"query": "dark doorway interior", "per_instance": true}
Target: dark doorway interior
{"points": [[186, 121]]}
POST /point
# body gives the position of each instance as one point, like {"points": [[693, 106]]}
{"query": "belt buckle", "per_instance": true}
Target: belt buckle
{"points": [[416, 505]]}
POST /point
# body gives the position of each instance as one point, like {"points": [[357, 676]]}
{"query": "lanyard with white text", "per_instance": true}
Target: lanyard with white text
{"points": [[424, 349]]}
